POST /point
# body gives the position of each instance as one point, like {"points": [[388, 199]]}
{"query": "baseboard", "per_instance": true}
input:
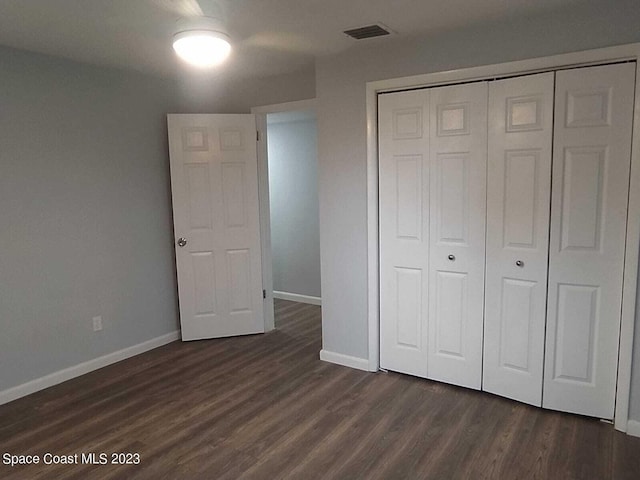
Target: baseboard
{"points": [[633, 428], [60, 376], [345, 360], [296, 297]]}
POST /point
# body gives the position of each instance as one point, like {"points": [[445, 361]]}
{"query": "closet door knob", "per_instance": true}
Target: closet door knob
{"points": [[182, 242], [519, 263], [451, 257]]}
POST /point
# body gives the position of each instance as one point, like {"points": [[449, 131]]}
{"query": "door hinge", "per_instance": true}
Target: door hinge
{"points": [[257, 135], [264, 294]]}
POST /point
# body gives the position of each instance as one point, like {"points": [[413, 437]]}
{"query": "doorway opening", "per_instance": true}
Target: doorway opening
{"points": [[288, 171]]}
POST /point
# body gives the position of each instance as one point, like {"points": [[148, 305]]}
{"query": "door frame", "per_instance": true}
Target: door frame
{"points": [[630, 52], [261, 113]]}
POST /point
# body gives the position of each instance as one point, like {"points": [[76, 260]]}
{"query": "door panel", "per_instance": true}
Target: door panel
{"points": [[516, 325], [452, 180], [199, 190], [591, 161], [582, 196], [456, 252], [409, 284], [451, 313], [234, 195], [518, 199], [521, 184], [404, 230], [409, 192], [575, 332], [215, 204], [203, 264]]}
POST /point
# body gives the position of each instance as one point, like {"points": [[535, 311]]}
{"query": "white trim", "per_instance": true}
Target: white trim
{"points": [[602, 55], [630, 279], [299, 105], [265, 222], [633, 428], [60, 376], [296, 297], [344, 360], [373, 267]]}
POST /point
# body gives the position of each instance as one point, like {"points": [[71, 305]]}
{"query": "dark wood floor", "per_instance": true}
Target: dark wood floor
{"points": [[265, 407]]}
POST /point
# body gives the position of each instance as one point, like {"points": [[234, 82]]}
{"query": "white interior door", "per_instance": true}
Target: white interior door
{"points": [[591, 159], [518, 199], [404, 230], [458, 158], [214, 186]]}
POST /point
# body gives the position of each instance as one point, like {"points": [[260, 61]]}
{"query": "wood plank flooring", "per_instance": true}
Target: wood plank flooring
{"points": [[265, 407]]}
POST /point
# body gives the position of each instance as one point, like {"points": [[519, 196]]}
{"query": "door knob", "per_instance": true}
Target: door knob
{"points": [[451, 257], [519, 263], [182, 242]]}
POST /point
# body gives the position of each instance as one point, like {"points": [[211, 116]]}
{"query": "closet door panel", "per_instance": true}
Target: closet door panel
{"points": [[458, 149], [404, 230], [518, 199], [591, 161]]}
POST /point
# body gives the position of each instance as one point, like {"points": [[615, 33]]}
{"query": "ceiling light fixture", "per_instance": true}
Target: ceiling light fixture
{"points": [[202, 41]]}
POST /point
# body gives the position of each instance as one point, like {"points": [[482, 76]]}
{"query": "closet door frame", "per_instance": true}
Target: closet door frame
{"points": [[630, 52]]}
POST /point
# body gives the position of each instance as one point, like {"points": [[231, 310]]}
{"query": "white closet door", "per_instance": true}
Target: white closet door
{"points": [[458, 154], [404, 230], [591, 158], [518, 199]]}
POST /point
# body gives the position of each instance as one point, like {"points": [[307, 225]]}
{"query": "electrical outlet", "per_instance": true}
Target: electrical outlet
{"points": [[97, 323]]}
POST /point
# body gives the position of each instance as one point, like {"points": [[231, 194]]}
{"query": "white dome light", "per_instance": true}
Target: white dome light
{"points": [[203, 44]]}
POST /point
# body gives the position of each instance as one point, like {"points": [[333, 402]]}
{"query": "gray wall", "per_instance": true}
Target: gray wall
{"points": [[85, 217], [340, 89], [211, 93], [293, 193]]}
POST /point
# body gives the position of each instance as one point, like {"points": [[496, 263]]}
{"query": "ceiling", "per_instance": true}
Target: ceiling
{"points": [[270, 36]]}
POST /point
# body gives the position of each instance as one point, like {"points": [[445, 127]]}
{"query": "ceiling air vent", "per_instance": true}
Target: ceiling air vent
{"points": [[370, 31]]}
